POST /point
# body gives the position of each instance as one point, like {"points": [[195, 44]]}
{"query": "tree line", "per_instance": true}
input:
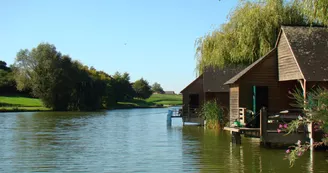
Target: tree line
{"points": [[65, 84]]}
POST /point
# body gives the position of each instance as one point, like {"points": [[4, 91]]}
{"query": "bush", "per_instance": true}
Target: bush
{"points": [[213, 114]]}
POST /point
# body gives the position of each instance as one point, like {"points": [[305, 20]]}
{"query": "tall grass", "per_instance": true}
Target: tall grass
{"points": [[213, 113]]}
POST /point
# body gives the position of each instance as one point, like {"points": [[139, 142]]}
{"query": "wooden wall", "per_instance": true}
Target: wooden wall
{"points": [[286, 87], [196, 87], [288, 68], [222, 99], [234, 102], [263, 74], [313, 85]]}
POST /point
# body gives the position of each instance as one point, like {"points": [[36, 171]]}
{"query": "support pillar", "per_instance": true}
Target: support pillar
{"points": [[309, 125], [236, 138], [169, 118]]}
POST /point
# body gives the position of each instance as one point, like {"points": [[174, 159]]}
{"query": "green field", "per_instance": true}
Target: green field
{"points": [[156, 100], [20, 104], [165, 99], [15, 103]]}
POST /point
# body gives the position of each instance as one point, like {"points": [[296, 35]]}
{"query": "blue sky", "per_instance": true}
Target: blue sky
{"points": [[153, 39]]}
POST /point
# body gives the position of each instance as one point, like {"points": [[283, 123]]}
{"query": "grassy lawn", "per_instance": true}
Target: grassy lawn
{"points": [[165, 99], [20, 104], [153, 101], [16, 103]]}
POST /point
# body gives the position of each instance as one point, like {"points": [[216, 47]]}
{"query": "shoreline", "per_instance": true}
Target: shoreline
{"points": [[6, 110]]}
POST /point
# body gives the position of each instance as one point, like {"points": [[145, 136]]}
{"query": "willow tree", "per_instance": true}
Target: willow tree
{"points": [[315, 10], [252, 30]]}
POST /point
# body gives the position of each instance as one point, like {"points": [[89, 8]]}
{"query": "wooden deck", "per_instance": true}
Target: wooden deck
{"points": [[268, 129], [241, 129], [248, 132]]}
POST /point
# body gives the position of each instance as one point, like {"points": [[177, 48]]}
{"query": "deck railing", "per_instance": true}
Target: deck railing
{"points": [[190, 111], [270, 124]]}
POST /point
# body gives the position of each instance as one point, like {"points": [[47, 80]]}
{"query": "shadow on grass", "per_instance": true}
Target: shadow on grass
{"points": [[9, 105]]}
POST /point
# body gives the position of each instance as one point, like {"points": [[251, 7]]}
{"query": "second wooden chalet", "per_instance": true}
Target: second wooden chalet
{"points": [[208, 86]]}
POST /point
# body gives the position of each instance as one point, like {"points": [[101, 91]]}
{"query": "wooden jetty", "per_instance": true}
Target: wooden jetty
{"points": [[187, 120], [268, 133]]}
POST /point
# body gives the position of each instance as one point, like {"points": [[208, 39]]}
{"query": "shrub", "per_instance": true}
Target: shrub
{"points": [[213, 113]]}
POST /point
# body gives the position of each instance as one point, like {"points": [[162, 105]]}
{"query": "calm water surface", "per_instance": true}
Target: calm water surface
{"points": [[135, 140]]}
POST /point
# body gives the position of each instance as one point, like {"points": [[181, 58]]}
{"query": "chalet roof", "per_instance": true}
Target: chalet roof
{"points": [[248, 68], [310, 49], [214, 78], [199, 77]]}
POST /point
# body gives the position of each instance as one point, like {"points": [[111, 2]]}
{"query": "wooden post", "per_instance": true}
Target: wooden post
{"points": [[236, 138], [263, 125], [169, 118], [310, 125]]}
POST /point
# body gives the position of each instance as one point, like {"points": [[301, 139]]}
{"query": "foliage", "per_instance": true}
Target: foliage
{"points": [[7, 82], [213, 114], [315, 108], [142, 89], [156, 87], [253, 28], [122, 87], [293, 154], [315, 10], [64, 84], [61, 84]]}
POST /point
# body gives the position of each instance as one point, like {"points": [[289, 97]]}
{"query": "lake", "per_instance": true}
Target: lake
{"points": [[133, 140]]}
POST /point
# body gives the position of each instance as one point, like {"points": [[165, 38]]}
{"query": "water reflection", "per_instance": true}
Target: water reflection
{"points": [[41, 139], [212, 151], [136, 140]]}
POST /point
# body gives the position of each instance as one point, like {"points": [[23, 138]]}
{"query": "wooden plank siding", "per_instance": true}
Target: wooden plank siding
{"points": [[263, 74], [196, 87], [310, 86], [234, 102], [222, 98], [288, 67]]}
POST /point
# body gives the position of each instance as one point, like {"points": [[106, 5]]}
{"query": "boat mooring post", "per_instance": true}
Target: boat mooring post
{"points": [[169, 117], [235, 137]]}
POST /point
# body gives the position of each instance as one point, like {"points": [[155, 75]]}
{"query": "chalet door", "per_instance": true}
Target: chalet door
{"points": [[260, 100], [194, 100]]}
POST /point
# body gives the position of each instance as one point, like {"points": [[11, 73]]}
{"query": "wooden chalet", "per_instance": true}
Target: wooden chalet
{"points": [[299, 60], [213, 85], [208, 86], [192, 99]]}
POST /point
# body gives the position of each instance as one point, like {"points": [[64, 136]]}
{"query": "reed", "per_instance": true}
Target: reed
{"points": [[213, 113]]}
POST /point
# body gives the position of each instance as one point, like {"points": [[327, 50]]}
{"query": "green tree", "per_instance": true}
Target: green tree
{"points": [[142, 89], [61, 84], [122, 87], [315, 10], [41, 70], [156, 87], [7, 82]]}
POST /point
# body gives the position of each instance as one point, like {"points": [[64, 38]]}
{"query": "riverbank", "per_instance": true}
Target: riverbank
{"points": [[25, 104]]}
